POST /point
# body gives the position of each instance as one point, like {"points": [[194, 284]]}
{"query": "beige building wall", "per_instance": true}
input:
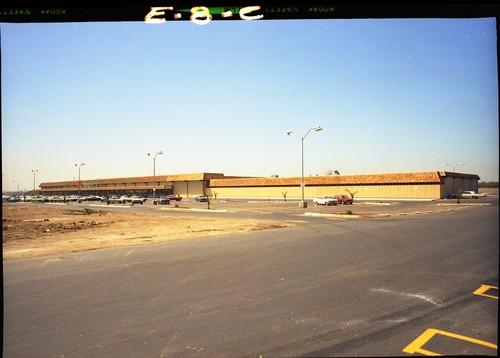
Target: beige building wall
{"points": [[189, 189], [361, 192], [421, 185]]}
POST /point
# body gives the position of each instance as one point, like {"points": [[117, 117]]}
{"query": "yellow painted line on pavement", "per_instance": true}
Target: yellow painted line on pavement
{"points": [[417, 344], [484, 288]]}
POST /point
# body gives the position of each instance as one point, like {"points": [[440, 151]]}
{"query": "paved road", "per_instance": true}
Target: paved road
{"points": [[330, 287], [285, 209]]}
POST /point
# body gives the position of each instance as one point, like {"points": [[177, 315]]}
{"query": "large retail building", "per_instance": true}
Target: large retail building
{"points": [[419, 185]]}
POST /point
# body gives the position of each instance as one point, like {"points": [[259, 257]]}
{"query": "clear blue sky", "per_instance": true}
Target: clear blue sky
{"points": [[401, 95]]}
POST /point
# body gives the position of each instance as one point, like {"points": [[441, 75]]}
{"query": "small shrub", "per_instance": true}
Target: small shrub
{"points": [[348, 212]]}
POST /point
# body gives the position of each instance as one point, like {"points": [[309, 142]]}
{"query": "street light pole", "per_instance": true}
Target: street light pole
{"points": [[453, 166], [34, 171], [154, 174], [79, 182], [17, 186], [303, 204]]}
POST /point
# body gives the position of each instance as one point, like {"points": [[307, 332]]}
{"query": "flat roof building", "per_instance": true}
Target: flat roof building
{"points": [[417, 185]]}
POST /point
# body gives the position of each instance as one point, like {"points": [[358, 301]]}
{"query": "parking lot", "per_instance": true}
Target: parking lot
{"points": [[421, 281], [360, 208]]}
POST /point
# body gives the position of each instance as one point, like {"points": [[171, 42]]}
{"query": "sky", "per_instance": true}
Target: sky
{"points": [[392, 95]]}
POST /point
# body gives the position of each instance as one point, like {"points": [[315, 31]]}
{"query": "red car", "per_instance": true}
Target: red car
{"points": [[173, 197], [343, 199]]}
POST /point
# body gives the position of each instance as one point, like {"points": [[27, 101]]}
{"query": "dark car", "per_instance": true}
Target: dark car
{"points": [[201, 198], [162, 200]]}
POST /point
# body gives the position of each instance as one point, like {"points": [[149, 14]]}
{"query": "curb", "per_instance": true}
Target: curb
{"points": [[347, 216], [197, 210]]}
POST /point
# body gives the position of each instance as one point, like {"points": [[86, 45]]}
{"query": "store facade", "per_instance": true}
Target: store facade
{"points": [[388, 186]]}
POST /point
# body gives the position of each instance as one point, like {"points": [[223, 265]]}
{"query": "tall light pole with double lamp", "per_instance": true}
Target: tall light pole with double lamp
{"points": [[303, 204], [79, 182], [34, 171], [154, 174], [17, 186], [453, 166]]}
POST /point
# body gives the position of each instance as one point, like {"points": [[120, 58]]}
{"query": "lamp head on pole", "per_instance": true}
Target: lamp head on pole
{"points": [[160, 152], [318, 128]]}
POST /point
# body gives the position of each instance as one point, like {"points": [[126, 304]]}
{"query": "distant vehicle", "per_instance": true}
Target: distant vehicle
{"points": [[201, 198], [325, 200], [118, 200], [174, 197], [137, 200], [471, 194], [91, 198], [162, 200], [343, 199]]}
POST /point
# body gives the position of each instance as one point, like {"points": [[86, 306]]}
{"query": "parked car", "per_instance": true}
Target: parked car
{"points": [[162, 200], [325, 200], [174, 197], [343, 199], [118, 200], [91, 198], [471, 194], [201, 198], [137, 200]]}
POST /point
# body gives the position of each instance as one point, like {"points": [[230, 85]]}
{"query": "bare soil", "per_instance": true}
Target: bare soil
{"points": [[37, 230]]}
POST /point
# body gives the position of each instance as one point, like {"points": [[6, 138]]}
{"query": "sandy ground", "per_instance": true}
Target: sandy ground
{"points": [[36, 230]]}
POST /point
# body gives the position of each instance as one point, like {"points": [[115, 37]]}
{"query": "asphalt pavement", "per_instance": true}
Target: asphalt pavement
{"points": [[280, 208], [412, 284]]}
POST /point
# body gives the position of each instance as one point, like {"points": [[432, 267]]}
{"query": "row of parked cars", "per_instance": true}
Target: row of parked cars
{"points": [[333, 200], [124, 199], [11, 199], [41, 198], [168, 198]]}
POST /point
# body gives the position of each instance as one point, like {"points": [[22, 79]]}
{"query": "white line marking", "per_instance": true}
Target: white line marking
{"points": [[421, 297]]}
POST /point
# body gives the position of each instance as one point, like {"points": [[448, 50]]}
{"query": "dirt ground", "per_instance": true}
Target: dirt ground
{"points": [[37, 230]]}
